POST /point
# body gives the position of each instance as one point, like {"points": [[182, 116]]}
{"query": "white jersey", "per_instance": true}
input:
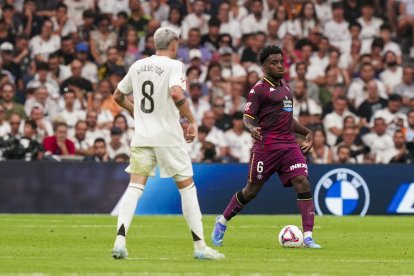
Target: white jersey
{"points": [[156, 116]]}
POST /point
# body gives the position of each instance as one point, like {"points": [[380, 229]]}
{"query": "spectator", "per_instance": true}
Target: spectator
{"points": [[21, 53], [321, 153], [389, 45], [314, 72], [228, 24], [121, 25], [217, 85], [356, 93], [223, 120], [311, 88], [239, 140], [378, 140], [43, 78], [406, 88], [112, 8], [120, 121], [349, 139], [372, 104], [89, 69], [41, 98], [350, 60], [12, 22], [195, 148], [6, 49], [198, 105], [105, 118], [399, 153], [62, 24], [409, 134], [193, 42], [76, 9], [44, 127], [323, 11], [231, 71], [67, 51], [254, 22], [333, 122], [58, 72], [174, 20], [103, 38], [342, 74], [238, 101], [392, 75], [197, 19], [392, 114], [370, 25], [321, 57], [59, 144], [8, 92], [237, 11], [42, 45], [302, 103], [93, 131], [336, 30], [214, 134], [14, 121], [273, 30], [210, 40], [69, 114], [121, 158], [31, 21], [250, 53], [116, 146], [344, 156], [112, 63], [88, 17], [307, 20], [82, 147], [132, 51], [4, 124], [326, 91], [352, 10], [106, 89], [406, 21], [99, 151]]}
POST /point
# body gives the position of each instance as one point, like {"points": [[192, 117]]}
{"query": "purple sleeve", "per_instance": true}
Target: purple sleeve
{"points": [[253, 103]]}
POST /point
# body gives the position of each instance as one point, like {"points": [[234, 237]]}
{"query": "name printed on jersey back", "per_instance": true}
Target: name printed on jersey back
{"points": [[151, 68]]}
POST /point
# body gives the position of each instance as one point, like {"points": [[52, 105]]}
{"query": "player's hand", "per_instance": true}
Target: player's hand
{"points": [[191, 132], [307, 145], [256, 133]]}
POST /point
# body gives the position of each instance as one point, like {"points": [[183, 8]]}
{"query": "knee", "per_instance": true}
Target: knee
{"points": [[301, 184]]}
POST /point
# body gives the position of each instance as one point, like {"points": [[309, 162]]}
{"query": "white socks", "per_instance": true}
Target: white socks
{"points": [[192, 214], [307, 234], [222, 220], [127, 208]]}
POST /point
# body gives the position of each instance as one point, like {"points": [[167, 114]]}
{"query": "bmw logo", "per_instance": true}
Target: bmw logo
{"points": [[341, 192]]}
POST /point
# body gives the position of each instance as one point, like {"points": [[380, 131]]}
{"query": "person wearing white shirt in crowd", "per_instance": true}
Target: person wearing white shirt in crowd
{"points": [[406, 87], [238, 11], [273, 36], [406, 21], [195, 149], [44, 78], [356, 92], [370, 26], [76, 9], [409, 134], [58, 72], [389, 45], [41, 97], [45, 43], [93, 131], [336, 30], [228, 25], [82, 147], [156, 10], [302, 103], [4, 125], [392, 115], [215, 135], [44, 127], [113, 7], [69, 113], [314, 71], [105, 117], [174, 20], [307, 20], [323, 10], [239, 140], [198, 105], [321, 57], [334, 121], [115, 145], [393, 154], [89, 69], [254, 22], [312, 89], [62, 24], [392, 75], [230, 70], [378, 139], [197, 19]]}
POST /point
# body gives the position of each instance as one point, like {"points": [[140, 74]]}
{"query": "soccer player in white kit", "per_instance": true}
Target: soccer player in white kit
{"points": [[157, 85]]}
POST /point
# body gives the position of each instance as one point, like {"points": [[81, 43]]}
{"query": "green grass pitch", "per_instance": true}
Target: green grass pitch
{"points": [[161, 245]]}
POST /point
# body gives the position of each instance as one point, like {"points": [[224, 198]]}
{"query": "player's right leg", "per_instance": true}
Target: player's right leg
{"points": [[259, 172], [142, 165]]}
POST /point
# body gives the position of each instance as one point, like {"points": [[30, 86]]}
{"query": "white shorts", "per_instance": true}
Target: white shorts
{"points": [[173, 162]]}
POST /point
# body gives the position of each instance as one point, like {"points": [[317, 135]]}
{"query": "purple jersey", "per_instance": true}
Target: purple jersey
{"points": [[273, 107]]}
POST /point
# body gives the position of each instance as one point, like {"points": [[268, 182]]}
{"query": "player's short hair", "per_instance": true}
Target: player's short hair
{"points": [[163, 38], [267, 51]]}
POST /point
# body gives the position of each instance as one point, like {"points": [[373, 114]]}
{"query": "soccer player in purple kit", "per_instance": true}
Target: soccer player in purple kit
{"points": [[269, 118]]}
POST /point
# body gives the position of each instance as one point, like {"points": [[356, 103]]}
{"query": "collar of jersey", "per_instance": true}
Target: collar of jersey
{"points": [[268, 81]]}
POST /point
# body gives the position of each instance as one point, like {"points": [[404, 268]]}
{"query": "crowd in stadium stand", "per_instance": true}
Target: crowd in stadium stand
{"points": [[348, 64]]}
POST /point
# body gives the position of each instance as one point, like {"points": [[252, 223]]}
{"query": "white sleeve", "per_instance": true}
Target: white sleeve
{"points": [[125, 85], [177, 76]]}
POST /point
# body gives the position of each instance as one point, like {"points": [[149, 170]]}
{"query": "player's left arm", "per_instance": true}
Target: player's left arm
{"points": [[122, 100], [300, 129]]}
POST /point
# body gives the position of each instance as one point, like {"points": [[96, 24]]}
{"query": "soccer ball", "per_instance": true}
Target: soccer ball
{"points": [[290, 236]]}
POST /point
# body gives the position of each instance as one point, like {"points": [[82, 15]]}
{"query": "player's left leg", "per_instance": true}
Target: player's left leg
{"points": [[192, 214], [305, 204]]}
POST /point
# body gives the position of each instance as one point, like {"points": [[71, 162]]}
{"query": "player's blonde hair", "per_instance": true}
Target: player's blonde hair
{"points": [[163, 37]]}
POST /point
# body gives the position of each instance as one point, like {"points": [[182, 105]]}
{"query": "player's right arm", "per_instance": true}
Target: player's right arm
{"points": [[250, 112], [120, 95]]}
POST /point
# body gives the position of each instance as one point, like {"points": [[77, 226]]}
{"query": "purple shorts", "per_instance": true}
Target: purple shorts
{"points": [[287, 162]]}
